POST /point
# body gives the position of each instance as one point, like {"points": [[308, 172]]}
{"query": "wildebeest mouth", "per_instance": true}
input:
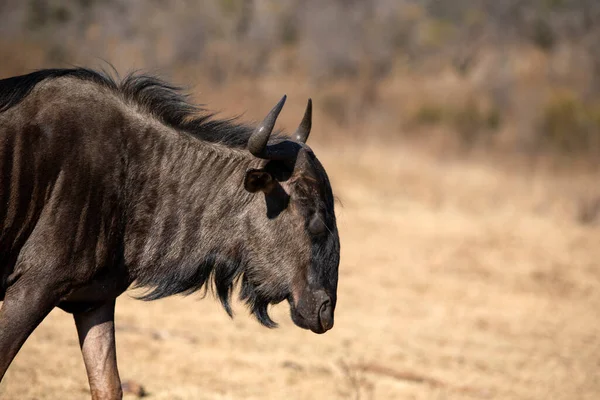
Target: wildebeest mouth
{"points": [[318, 317]]}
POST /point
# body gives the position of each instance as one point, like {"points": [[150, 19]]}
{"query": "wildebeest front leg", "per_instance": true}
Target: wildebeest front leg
{"points": [[96, 330], [25, 305]]}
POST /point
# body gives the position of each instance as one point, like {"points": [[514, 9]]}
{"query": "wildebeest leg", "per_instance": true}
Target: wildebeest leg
{"points": [[25, 305], [96, 330]]}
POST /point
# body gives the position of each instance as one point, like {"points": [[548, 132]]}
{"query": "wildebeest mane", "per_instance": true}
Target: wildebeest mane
{"points": [[223, 273], [165, 102], [14, 89]]}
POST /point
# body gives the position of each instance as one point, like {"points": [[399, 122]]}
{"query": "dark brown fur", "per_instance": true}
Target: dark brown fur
{"points": [[106, 184]]}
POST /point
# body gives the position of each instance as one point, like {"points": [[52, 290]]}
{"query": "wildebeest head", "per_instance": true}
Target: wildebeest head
{"points": [[291, 228]]}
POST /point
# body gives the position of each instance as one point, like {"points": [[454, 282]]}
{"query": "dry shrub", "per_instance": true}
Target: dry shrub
{"points": [[543, 35], [474, 124], [471, 122], [569, 125], [429, 114]]}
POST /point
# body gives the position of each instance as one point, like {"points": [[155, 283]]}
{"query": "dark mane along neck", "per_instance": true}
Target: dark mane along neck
{"points": [[14, 89], [165, 102]]}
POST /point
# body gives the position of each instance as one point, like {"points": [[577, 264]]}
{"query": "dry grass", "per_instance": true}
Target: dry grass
{"points": [[458, 281]]}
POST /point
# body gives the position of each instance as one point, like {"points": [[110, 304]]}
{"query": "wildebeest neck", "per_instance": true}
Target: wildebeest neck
{"points": [[184, 225]]}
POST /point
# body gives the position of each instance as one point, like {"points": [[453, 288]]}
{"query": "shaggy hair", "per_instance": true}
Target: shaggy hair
{"points": [[167, 103]]}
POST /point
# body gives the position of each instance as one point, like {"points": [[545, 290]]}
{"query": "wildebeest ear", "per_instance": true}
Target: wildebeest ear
{"points": [[258, 180]]}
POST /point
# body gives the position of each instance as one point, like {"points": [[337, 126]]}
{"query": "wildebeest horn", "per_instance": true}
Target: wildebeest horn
{"points": [[257, 144], [303, 130]]}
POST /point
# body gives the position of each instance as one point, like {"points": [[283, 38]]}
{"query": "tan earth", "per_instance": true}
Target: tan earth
{"points": [[458, 281]]}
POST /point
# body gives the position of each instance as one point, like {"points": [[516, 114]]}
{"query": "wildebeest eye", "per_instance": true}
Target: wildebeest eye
{"points": [[316, 226]]}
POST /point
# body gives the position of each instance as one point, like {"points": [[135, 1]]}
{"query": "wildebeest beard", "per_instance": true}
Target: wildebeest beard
{"points": [[219, 274]]}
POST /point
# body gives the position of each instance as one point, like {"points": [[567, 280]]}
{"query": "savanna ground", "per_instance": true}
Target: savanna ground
{"points": [[458, 280]]}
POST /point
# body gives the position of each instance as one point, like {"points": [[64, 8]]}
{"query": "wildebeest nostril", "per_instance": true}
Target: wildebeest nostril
{"points": [[326, 315]]}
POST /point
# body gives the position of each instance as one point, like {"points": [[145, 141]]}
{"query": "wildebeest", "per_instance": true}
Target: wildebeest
{"points": [[108, 183]]}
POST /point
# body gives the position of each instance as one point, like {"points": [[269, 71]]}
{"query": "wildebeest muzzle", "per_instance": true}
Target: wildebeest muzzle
{"points": [[313, 310]]}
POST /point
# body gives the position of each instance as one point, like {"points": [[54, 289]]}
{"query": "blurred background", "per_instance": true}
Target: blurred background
{"points": [[516, 75], [462, 139]]}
